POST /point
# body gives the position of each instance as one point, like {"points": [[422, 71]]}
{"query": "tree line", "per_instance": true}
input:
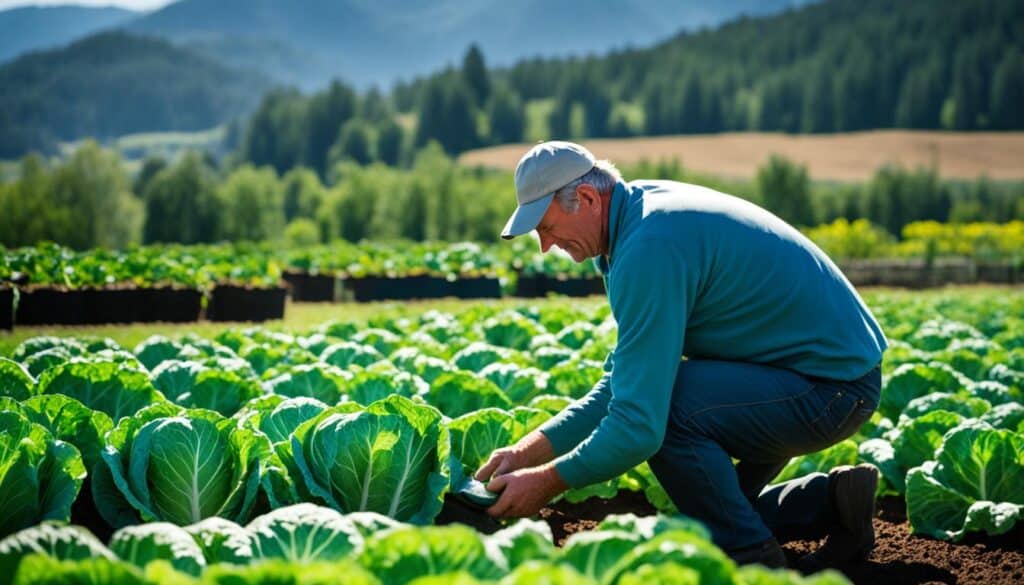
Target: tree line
{"points": [[838, 66], [90, 200], [834, 66]]}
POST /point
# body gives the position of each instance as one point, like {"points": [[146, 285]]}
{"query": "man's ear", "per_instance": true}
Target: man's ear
{"points": [[588, 194]]}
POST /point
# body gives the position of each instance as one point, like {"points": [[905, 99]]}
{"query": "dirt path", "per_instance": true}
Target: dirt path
{"points": [[840, 157]]}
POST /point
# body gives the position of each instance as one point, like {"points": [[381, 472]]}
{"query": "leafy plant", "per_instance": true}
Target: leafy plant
{"points": [[180, 466], [159, 541], [302, 534], [391, 458], [39, 476], [54, 539], [975, 483], [105, 386], [460, 392]]}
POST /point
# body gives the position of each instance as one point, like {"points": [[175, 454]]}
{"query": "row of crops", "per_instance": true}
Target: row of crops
{"points": [[49, 284], [249, 282], [386, 417], [310, 544], [262, 265]]}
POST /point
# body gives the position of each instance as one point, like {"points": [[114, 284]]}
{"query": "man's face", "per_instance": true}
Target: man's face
{"points": [[580, 233]]}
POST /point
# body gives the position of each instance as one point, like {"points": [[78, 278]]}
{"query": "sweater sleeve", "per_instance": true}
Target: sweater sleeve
{"points": [[651, 291]]}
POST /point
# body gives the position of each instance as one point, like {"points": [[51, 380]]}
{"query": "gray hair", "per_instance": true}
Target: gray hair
{"points": [[602, 177]]}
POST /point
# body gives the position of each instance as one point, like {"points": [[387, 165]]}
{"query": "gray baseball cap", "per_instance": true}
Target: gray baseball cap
{"points": [[547, 167]]}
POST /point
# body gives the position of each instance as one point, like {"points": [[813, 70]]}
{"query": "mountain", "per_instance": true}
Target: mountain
{"points": [[376, 42], [32, 28], [111, 84]]}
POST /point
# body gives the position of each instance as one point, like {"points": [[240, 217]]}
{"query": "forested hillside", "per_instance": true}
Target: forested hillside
{"points": [[308, 43], [29, 28], [843, 65], [111, 84]]}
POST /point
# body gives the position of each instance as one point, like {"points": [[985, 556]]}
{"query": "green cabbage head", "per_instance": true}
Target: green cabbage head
{"points": [[180, 466], [391, 458]]}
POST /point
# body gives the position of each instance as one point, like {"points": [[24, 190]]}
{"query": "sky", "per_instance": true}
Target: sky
{"points": [[132, 4]]}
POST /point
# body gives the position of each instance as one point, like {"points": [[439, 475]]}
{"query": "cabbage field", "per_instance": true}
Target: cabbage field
{"points": [[329, 454]]}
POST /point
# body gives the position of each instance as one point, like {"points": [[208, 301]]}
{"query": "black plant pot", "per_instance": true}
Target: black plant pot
{"points": [[6, 309], [311, 288], [476, 288], [238, 303], [381, 288], [50, 306], [529, 286], [169, 305]]}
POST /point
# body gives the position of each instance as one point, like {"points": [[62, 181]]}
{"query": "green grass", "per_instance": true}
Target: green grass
{"points": [[299, 317]]}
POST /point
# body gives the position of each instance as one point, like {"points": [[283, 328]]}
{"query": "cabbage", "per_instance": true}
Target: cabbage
{"points": [[179, 466], [391, 458], [40, 476], [975, 483]]}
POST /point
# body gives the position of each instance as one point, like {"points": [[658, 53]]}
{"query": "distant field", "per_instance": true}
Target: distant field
{"points": [[840, 157]]}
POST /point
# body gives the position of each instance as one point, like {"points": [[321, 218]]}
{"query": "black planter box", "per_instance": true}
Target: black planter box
{"points": [[528, 287], [50, 306], [382, 288], [475, 288], [541, 285], [6, 309], [311, 288], [576, 287], [238, 303], [169, 305]]}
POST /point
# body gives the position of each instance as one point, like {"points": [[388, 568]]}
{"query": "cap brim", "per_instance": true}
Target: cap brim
{"points": [[526, 217]]}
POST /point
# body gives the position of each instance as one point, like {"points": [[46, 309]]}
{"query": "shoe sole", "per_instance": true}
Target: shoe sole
{"points": [[854, 492]]}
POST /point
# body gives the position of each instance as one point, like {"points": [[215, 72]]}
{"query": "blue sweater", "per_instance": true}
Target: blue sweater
{"points": [[697, 273]]}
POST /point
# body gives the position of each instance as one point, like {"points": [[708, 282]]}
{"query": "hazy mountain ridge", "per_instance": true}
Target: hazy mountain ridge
{"points": [[377, 42], [110, 84], [31, 28]]}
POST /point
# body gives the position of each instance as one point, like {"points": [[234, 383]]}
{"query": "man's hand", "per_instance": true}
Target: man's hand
{"points": [[532, 450], [525, 492]]}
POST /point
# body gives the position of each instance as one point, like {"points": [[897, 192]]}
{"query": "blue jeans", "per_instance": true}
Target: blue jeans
{"points": [[761, 416]]}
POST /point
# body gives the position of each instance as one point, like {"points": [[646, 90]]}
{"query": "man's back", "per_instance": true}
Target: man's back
{"points": [[763, 292]]}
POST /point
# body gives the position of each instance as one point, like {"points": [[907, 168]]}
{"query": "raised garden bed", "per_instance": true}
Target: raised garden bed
{"points": [[242, 303], [6, 308], [49, 306], [171, 305], [917, 273], [311, 288], [541, 285], [383, 288], [90, 306], [475, 288]]}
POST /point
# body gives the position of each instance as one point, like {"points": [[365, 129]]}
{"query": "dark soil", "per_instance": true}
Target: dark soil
{"points": [[566, 519], [901, 557]]}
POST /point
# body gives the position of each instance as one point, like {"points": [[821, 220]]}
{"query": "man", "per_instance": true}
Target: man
{"points": [[781, 359]]}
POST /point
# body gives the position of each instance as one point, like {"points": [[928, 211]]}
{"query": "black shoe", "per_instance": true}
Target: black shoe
{"points": [[853, 495], [767, 553]]}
